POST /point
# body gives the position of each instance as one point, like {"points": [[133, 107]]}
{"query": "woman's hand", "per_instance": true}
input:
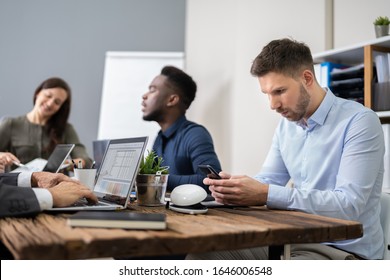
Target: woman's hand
{"points": [[8, 158]]}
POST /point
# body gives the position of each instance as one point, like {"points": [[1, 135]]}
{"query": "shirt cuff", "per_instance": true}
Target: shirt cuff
{"points": [[278, 196], [44, 197], [24, 179]]}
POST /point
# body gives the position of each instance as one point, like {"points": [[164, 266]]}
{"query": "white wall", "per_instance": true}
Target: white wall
{"points": [[354, 20], [222, 39], [210, 59], [69, 39]]}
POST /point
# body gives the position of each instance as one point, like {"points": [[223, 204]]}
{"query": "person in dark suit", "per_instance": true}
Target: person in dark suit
{"points": [[26, 193]]}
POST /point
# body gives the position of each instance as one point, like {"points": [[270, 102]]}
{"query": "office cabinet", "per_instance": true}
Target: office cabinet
{"points": [[358, 54]]}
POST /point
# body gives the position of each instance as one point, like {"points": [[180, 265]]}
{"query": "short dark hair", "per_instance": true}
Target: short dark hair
{"points": [[285, 56], [182, 83]]}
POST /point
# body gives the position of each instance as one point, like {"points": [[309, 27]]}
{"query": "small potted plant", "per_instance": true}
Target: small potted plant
{"points": [[381, 26], [151, 181]]}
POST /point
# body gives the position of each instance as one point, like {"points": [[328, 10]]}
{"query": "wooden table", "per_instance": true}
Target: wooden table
{"points": [[47, 236]]}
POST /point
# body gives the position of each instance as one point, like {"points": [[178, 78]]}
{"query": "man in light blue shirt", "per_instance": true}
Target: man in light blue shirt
{"points": [[330, 148]]}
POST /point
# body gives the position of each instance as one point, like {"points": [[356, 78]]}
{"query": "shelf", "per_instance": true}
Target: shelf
{"points": [[352, 54], [355, 55], [383, 114]]}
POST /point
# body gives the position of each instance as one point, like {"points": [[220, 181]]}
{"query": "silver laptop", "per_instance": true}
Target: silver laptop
{"points": [[99, 149], [116, 175], [53, 164]]}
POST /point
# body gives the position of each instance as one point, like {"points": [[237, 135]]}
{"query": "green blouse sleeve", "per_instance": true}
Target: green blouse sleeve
{"points": [[5, 134]]}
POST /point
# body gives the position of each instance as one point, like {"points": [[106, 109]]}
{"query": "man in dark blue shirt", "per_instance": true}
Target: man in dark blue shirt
{"points": [[182, 144]]}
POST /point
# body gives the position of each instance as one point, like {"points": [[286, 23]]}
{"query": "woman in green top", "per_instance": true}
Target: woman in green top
{"points": [[36, 134]]}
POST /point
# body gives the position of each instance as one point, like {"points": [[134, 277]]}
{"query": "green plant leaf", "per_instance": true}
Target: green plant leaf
{"points": [[151, 164], [382, 21]]}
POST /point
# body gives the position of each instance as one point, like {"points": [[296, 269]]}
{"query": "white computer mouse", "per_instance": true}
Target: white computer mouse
{"points": [[188, 194]]}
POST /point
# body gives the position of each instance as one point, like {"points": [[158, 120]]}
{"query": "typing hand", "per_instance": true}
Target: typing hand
{"points": [[67, 193], [48, 179]]}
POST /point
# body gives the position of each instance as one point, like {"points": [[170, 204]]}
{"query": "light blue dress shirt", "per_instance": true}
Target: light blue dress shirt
{"points": [[336, 165]]}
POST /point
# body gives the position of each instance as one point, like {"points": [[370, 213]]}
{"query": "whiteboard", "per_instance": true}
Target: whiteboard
{"points": [[127, 76]]}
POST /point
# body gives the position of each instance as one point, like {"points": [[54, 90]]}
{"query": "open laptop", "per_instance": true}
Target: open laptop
{"points": [[116, 176], [99, 149], [53, 164]]}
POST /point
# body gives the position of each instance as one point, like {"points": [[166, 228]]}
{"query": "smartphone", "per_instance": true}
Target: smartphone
{"points": [[209, 171]]}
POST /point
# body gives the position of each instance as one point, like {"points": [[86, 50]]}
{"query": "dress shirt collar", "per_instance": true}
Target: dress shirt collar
{"points": [[319, 116], [174, 127]]}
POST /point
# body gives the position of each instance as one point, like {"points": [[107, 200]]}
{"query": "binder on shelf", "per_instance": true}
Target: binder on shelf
{"points": [[382, 64], [356, 71], [352, 83], [348, 82], [388, 64], [386, 175], [381, 93], [326, 69], [350, 93], [317, 72]]}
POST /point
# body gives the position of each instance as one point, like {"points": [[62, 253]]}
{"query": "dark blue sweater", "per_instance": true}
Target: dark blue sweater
{"points": [[183, 147]]}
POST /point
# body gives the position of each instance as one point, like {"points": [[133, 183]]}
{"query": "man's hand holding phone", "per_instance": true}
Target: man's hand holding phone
{"points": [[209, 171]]}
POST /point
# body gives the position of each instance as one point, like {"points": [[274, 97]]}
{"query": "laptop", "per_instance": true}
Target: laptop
{"points": [[53, 164], [99, 149], [116, 176]]}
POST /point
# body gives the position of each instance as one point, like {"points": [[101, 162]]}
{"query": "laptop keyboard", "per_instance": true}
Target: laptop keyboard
{"points": [[84, 202]]}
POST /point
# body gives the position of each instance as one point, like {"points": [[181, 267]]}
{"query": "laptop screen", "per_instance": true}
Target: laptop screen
{"points": [[57, 157], [119, 168], [99, 149]]}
